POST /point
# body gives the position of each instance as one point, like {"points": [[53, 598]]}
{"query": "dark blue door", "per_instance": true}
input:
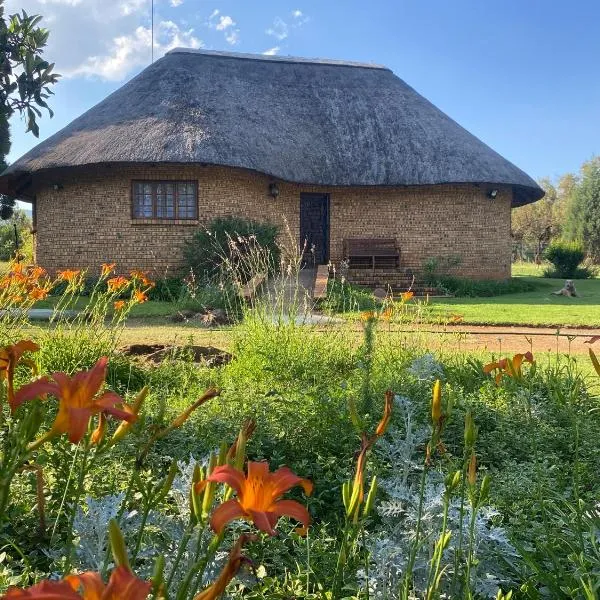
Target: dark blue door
{"points": [[314, 228]]}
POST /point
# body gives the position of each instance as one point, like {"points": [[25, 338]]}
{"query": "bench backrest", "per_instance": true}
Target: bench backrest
{"points": [[369, 244]]}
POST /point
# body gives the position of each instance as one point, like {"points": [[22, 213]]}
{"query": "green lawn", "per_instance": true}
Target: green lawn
{"points": [[539, 307]]}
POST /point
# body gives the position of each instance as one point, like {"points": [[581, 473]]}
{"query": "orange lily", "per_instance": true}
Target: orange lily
{"points": [[234, 562], [69, 274], [10, 356], [406, 296], [509, 367], [120, 305], [79, 401], [140, 296], [122, 585], [107, 269], [46, 590], [142, 277], [117, 283], [258, 496]]}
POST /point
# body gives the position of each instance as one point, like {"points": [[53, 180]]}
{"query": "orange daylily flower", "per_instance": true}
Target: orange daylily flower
{"points": [[107, 269], [10, 357], [258, 496], [46, 590], [117, 283], [234, 562], [120, 304], [38, 293], [406, 296], [78, 401], [122, 585], [511, 367], [142, 277], [68, 274], [140, 297]]}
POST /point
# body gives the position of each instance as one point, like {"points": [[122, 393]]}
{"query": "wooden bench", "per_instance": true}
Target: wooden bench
{"points": [[320, 289], [371, 253], [248, 291]]}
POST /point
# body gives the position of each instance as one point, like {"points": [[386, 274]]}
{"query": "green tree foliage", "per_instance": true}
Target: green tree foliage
{"points": [[7, 235], [25, 80], [583, 222]]}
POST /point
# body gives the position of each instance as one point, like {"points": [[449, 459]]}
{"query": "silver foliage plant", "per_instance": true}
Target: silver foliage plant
{"points": [[389, 547], [162, 534]]}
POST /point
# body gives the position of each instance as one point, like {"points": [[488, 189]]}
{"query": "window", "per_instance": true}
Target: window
{"points": [[165, 200]]}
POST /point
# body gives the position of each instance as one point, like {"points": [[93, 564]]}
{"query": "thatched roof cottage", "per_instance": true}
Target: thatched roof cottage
{"points": [[339, 150]]}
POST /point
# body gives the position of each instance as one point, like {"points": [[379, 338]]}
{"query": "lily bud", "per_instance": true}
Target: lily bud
{"points": [[98, 434], [451, 482], [196, 488], [470, 430], [472, 470], [158, 576], [387, 414], [436, 403], [346, 495], [484, 491], [125, 426], [117, 545], [166, 486], [209, 490], [370, 498]]}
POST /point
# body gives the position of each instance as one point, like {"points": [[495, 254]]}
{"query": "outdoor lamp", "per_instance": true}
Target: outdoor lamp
{"points": [[492, 194], [273, 190]]}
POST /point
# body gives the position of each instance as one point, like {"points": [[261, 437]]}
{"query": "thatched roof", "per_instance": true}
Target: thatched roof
{"points": [[319, 122]]}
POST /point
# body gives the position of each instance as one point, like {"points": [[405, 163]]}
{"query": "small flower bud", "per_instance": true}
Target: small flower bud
{"points": [[370, 498], [470, 430], [472, 470], [117, 545], [436, 403]]}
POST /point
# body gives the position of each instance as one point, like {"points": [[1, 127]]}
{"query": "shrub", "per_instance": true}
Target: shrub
{"points": [[229, 239], [346, 297], [566, 258], [469, 288]]}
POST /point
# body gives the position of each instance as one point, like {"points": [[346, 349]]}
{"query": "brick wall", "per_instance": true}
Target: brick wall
{"points": [[88, 220]]}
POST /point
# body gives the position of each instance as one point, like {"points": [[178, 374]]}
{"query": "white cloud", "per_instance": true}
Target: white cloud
{"points": [[105, 38], [225, 21], [279, 29], [299, 18], [233, 37], [176, 3], [130, 51], [272, 51], [226, 24]]}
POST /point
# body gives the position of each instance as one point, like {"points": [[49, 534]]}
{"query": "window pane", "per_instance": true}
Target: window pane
{"points": [[165, 201], [187, 205], [142, 201]]}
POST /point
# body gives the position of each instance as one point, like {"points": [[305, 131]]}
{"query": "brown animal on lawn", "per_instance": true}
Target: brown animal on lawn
{"points": [[568, 290]]}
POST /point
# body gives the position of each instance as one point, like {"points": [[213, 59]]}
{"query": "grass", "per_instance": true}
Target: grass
{"points": [[537, 308]]}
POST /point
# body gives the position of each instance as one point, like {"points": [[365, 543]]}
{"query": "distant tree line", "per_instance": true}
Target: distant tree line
{"points": [[570, 211]]}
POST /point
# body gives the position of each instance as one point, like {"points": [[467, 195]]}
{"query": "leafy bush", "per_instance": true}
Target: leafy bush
{"points": [[228, 239], [566, 258], [470, 288], [345, 297]]}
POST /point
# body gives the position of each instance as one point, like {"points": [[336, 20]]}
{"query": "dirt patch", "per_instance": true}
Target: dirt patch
{"points": [[157, 353]]}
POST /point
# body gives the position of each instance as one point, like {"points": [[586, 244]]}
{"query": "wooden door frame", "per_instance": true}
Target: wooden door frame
{"points": [[327, 220]]}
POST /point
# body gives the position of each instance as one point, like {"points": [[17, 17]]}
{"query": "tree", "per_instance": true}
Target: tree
{"points": [[584, 218], [25, 80], [533, 224]]}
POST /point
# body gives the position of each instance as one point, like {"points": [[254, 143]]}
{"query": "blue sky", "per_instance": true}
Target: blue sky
{"points": [[522, 75]]}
